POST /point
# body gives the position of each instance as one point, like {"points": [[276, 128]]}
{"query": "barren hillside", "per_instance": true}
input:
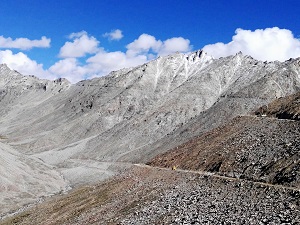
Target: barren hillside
{"points": [[145, 195], [282, 108], [92, 130], [244, 172], [257, 149]]}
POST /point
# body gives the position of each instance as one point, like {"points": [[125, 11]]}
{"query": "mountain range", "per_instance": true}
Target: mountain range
{"points": [[174, 110]]}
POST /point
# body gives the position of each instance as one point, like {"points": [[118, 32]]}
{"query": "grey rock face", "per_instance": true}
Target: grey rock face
{"points": [[88, 130]]}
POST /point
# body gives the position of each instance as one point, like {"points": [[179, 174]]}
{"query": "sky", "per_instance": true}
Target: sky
{"points": [[82, 39]]}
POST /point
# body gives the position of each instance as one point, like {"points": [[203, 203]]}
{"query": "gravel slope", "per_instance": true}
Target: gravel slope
{"points": [[145, 195], [253, 148], [282, 108]]}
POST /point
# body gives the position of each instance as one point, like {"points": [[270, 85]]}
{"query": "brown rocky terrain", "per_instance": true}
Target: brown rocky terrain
{"points": [[253, 148], [282, 108], [147, 195], [248, 147]]}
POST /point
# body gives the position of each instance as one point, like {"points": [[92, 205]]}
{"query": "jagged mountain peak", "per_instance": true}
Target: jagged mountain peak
{"points": [[12, 77], [199, 55], [3, 66], [8, 74]]}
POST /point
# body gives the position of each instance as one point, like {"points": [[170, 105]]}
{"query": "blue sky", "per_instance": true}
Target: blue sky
{"points": [[138, 31]]}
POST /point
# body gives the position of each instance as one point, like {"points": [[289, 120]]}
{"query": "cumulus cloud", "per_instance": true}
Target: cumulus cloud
{"points": [[99, 62], [24, 43], [77, 34], [23, 64], [104, 62], [148, 44], [263, 44], [98, 65], [114, 35], [177, 44], [81, 45], [143, 44], [70, 69]]}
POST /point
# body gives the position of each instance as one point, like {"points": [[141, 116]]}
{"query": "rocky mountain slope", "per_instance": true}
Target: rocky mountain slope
{"points": [[256, 149], [90, 130], [244, 172], [282, 108], [145, 195]]}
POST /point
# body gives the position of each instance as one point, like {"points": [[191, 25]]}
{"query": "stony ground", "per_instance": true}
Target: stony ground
{"points": [[253, 148], [147, 195], [282, 108]]}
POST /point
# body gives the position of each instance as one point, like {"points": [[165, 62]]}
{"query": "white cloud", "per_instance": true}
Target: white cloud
{"points": [[100, 62], [70, 69], [114, 35], [147, 44], [81, 45], [143, 44], [24, 43], [23, 64], [98, 65], [77, 34], [104, 62], [269, 44], [177, 44]]}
